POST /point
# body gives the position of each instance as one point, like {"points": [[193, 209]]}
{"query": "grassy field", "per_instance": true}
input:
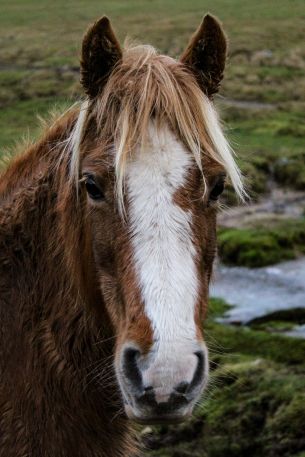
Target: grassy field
{"points": [[263, 96], [40, 43]]}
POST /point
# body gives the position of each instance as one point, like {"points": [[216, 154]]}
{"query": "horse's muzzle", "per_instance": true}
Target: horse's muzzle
{"points": [[156, 392]]}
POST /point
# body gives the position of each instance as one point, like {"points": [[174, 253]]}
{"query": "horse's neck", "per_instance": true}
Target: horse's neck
{"points": [[28, 215], [46, 282]]}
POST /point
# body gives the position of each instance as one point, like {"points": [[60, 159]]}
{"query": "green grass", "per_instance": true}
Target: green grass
{"points": [[39, 53], [16, 119]]}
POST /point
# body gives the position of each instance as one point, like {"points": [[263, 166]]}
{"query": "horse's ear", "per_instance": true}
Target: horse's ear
{"points": [[100, 52], [206, 55]]}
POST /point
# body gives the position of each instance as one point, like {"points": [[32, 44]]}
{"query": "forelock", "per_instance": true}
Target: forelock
{"points": [[143, 86]]}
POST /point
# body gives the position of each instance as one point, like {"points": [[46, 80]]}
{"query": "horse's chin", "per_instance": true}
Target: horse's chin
{"points": [[160, 419]]}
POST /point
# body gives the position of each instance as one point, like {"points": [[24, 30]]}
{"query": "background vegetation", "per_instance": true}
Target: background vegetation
{"points": [[255, 405]]}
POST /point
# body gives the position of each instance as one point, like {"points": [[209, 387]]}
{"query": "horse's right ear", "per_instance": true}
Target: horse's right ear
{"points": [[100, 52]]}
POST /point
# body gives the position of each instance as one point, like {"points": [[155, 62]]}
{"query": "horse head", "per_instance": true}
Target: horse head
{"points": [[150, 161]]}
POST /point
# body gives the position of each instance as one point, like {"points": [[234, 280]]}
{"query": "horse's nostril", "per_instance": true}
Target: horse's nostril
{"points": [[199, 372], [182, 387], [148, 389], [130, 367], [148, 397]]}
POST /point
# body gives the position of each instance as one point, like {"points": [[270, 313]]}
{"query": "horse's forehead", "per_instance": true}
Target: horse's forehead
{"points": [[162, 153]]}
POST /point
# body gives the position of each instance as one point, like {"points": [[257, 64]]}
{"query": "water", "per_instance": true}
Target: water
{"points": [[257, 292]]}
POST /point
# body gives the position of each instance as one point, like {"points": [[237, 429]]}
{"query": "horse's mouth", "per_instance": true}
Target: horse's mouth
{"points": [[160, 419]]}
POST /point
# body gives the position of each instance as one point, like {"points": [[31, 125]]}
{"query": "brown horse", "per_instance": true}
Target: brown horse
{"points": [[107, 239]]}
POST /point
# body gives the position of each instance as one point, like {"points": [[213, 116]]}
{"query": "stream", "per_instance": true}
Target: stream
{"points": [[258, 292]]}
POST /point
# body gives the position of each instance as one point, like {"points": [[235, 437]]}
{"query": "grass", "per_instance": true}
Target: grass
{"points": [[16, 119], [39, 56]]}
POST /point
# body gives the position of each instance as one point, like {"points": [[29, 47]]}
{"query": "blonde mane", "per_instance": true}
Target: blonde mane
{"points": [[144, 86]]}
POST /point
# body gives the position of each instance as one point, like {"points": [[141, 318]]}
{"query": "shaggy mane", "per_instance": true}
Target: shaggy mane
{"points": [[144, 86]]}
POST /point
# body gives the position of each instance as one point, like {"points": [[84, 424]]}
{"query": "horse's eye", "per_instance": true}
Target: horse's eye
{"points": [[217, 189], [93, 190]]}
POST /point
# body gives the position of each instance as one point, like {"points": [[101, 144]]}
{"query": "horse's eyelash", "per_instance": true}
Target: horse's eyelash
{"points": [[83, 179], [86, 176]]}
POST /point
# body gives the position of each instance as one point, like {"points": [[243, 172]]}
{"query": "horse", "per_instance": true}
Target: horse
{"points": [[107, 236]]}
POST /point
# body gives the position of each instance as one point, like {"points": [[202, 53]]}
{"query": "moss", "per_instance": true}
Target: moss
{"points": [[280, 318], [256, 247], [256, 407], [284, 434], [274, 326]]}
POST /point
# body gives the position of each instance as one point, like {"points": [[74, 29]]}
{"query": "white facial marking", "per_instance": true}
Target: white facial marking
{"points": [[164, 254]]}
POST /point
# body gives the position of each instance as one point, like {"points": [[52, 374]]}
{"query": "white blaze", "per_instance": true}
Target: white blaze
{"points": [[164, 252]]}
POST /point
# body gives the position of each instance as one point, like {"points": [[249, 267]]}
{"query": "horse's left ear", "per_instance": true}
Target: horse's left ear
{"points": [[206, 55], [100, 52]]}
